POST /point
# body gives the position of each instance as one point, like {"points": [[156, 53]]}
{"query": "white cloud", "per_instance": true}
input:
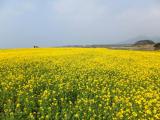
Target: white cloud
{"points": [[78, 21], [16, 8], [79, 7], [140, 21], [101, 21], [79, 10], [96, 20]]}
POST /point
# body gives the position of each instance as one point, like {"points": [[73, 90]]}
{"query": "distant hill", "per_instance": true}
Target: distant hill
{"points": [[144, 42], [134, 40], [137, 43]]}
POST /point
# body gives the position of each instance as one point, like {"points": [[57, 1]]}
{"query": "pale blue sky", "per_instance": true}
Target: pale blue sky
{"points": [[24, 23]]}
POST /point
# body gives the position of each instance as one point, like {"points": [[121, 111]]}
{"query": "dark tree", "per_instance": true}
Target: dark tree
{"points": [[157, 46]]}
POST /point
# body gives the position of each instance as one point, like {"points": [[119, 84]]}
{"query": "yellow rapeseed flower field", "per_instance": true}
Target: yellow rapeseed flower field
{"points": [[79, 84]]}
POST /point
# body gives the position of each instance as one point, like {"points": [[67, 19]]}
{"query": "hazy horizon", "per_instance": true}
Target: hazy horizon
{"points": [[24, 23]]}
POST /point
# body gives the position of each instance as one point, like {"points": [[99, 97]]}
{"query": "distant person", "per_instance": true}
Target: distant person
{"points": [[35, 46]]}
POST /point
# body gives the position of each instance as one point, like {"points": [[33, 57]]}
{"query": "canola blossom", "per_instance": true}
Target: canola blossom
{"points": [[79, 84]]}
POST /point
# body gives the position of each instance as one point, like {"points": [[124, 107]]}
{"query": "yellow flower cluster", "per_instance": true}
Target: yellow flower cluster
{"points": [[79, 84]]}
